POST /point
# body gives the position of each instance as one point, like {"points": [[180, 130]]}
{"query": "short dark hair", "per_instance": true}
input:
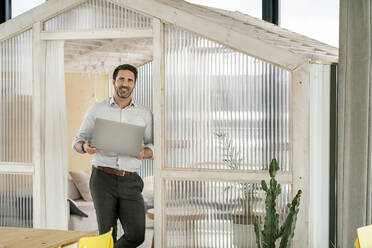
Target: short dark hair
{"points": [[125, 67]]}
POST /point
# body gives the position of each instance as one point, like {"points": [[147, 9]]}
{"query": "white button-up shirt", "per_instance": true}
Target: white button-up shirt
{"points": [[134, 113]]}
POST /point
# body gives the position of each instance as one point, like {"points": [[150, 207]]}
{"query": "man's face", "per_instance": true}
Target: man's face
{"points": [[124, 84]]}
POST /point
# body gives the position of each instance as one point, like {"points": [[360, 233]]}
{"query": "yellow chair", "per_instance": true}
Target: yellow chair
{"points": [[100, 241], [364, 238]]}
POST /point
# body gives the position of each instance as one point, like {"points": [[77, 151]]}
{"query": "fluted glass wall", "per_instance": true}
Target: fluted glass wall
{"points": [[215, 214], [143, 95], [16, 129], [16, 99], [97, 14], [16, 200], [224, 109]]}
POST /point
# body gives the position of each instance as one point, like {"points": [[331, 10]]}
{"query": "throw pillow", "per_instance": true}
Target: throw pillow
{"points": [[74, 209], [81, 180]]}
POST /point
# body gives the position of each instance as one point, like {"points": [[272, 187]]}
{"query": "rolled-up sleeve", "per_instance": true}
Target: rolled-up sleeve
{"points": [[86, 128], [148, 138]]}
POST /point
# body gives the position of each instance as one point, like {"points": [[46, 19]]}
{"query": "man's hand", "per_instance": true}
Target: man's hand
{"points": [[141, 155], [89, 149]]}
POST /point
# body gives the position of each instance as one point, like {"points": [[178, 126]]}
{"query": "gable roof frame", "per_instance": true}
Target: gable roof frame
{"points": [[40, 13], [227, 36]]}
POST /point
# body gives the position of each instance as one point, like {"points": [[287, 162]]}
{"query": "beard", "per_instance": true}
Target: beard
{"points": [[123, 92]]}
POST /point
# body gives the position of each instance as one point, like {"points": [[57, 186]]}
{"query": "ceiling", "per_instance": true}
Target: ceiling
{"points": [[103, 55]]}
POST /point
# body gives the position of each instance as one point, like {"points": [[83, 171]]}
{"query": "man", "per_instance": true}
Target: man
{"points": [[115, 185]]}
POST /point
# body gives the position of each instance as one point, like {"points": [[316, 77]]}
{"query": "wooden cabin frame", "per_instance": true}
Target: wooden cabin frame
{"points": [[265, 41]]}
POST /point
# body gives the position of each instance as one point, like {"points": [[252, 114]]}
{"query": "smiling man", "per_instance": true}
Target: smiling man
{"points": [[115, 185]]}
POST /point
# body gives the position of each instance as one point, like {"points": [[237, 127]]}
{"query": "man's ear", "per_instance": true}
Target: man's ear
{"points": [[113, 82]]}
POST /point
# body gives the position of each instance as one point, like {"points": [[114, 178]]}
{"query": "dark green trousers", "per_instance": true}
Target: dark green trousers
{"points": [[119, 197]]}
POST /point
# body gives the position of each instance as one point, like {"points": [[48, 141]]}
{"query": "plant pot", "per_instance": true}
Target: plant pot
{"points": [[243, 231], [243, 236]]}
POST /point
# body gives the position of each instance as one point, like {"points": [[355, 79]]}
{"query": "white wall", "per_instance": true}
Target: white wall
{"points": [[319, 155]]}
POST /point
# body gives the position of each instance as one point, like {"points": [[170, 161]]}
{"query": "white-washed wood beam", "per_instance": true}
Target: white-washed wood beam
{"points": [[275, 39], [90, 60], [92, 53], [108, 69], [87, 43], [159, 129], [98, 60], [129, 46], [40, 13], [16, 168], [114, 43], [77, 50], [38, 116], [96, 65], [221, 34], [258, 29], [300, 109], [228, 175], [97, 34], [108, 66], [254, 22], [110, 52]]}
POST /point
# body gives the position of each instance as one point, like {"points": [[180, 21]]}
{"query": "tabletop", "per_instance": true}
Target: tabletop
{"points": [[15, 237]]}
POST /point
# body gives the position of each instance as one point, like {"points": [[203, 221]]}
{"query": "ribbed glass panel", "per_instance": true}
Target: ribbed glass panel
{"points": [[211, 214], [143, 91], [97, 14], [224, 109], [16, 98], [143, 95], [16, 200]]}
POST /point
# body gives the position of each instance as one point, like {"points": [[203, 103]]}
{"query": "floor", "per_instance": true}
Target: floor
{"points": [[148, 238], [149, 234]]}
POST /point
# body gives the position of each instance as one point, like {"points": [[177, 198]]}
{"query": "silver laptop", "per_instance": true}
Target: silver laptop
{"points": [[121, 138]]}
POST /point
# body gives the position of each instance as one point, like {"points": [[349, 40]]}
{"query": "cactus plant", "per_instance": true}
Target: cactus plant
{"points": [[267, 237]]}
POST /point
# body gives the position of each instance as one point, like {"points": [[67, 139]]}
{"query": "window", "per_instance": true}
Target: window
{"points": [[251, 7], [21, 6], [316, 19]]}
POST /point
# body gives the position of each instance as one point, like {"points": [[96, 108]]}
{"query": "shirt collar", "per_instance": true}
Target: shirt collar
{"points": [[112, 102]]}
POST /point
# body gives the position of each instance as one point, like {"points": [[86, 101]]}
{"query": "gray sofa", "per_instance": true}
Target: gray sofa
{"points": [[76, 221], [82, 213]]}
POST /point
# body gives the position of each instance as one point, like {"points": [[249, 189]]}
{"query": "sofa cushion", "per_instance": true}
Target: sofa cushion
{"points": [[81, 180], [72, 192], [149, 200], [84, 224], [85, 205], [74, 209]]}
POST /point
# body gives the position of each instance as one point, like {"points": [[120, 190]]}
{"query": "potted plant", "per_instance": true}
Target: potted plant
{"points": [[267, 237], [242, 217], [244, 220]]}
